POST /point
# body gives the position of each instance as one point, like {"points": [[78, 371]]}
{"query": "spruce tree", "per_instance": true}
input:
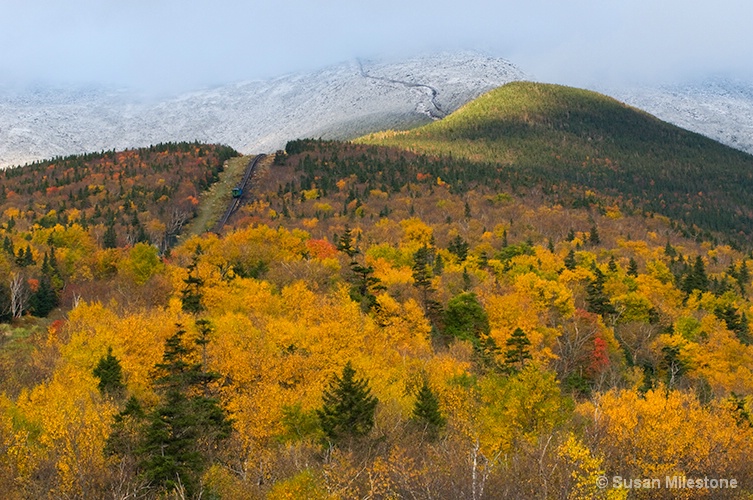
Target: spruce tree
{"points": [[696, 279], [517, 352], [593, 236], [632, 269], [422, 275], [596, 300], [459, 247], [181, 431], [110, 375], [348, 409], [346, 245], [612, 265], [426, 412], [570, 260], [466, 319], [44, 299], [110, 238], [8, 246], [191, 295], [364, 285]]}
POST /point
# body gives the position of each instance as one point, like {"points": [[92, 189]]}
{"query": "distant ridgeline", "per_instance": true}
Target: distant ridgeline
{"points": [[139, 195], [586, 149]]}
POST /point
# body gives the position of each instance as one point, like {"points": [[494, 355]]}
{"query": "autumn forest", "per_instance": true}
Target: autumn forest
{"points": [[376, 321]]}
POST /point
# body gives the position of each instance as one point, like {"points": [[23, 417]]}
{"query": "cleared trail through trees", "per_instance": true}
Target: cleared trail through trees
{"points": [[235, 203], [435, 114]]}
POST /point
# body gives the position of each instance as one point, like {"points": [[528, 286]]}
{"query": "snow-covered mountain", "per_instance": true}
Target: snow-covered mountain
{"points": [[342, 101], [721, 109], [338, 102]]}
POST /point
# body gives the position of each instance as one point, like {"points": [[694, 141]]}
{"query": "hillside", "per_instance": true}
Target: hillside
{"points": [[342, 101], [483, 338], [569, 140]]}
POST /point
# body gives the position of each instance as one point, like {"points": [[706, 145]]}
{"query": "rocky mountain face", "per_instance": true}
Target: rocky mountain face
{"points": [[721, 109], [338, 102]]}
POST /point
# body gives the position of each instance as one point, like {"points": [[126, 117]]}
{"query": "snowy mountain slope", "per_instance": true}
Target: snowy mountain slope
{"points": [[342, 101], [719, 109]]}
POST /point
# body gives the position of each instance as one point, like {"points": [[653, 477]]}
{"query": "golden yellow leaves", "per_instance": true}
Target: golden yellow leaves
{"points": [[665, 433]]}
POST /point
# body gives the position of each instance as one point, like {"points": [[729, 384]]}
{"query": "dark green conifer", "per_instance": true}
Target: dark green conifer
{"points": [[465, 318], [110, 238], [438, 267], [596, 300], [426, 412], [459, 247], [612, 265], [632, 269], [8, 246], [191, 295], [570, 260], [593, 236], [517, 352], [110, 375], [181, 432], [44, 299], [346, 244], [348, 409], [696, 278], [422, 278]]}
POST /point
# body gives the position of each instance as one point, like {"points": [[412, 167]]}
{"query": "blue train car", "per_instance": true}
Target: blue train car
{"points": [[237, 192]]}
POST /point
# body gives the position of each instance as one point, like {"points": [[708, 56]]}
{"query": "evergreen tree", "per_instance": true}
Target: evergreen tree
{"points": [[422, 280], [696, 278], [596, 300], [742, 277], [110, 238], [44, 299], [8, 246], [346, 245], [46, 270], [466, 319], [181, 431], [593, 236], [29, 257], [487, 353], [632, 269], [365, 285], [467, 282], [426, 412], [570, 235], [612, 266], [459, 247], [191, 295], [736, 322], [348, 409], [570, 260], [110, 375], [517, 352], [669, 250], [438, 268]]}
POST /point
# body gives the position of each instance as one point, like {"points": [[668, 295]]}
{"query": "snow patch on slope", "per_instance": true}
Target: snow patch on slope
{"points": [[258, 116], [719, 109]]}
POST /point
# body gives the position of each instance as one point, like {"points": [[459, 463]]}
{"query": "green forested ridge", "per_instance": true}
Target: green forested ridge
{"points": [[566, 139]]}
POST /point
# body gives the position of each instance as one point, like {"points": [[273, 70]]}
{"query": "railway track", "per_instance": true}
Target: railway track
{"points": [[237, 202]]}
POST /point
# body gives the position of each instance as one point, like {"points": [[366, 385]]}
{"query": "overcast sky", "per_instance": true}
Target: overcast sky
{"points": [[171, 45]]}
